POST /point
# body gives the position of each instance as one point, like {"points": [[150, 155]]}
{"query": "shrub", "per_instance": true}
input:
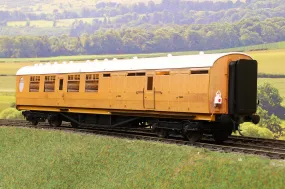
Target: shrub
{"points": [[11, 113], [251, 130]]}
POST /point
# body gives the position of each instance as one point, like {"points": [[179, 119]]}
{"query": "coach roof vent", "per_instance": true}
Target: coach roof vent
{"points": [[135, 58], [201, 52], [106, 59], [169, 55]]}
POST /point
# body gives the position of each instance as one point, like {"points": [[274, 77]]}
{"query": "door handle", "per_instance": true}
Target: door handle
{"points": [[180, 97], [118, 96]]}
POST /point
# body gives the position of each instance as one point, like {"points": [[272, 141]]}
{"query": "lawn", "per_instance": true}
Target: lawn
{"points": [[49, 24], [271, 61], [7, 91], [6, 99], [36, 23], [7, 83], [12, 68], [52, 159]]}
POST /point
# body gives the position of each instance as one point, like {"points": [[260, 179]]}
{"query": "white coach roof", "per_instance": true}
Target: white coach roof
{"points": [[170, 62]]}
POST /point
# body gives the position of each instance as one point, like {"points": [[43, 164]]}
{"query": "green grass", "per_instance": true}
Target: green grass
{"points": [[6, 98], [271, 62], [36, 23], [7, 91], [49, 24], [32, 158], [7, 83], [12, 68]]}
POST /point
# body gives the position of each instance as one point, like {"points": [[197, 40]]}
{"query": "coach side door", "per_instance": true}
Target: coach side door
{"points": [[149, 98], [60, 88]]}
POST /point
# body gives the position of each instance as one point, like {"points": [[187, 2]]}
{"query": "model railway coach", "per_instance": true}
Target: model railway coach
{"points": [[187, 95]]}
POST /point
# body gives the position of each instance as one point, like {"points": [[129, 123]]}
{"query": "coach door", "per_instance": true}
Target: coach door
{"points": [[149, 97], [60, 90]]}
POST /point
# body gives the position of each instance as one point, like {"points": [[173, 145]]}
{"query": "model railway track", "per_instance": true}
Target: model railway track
{"points": [[273, 149]]}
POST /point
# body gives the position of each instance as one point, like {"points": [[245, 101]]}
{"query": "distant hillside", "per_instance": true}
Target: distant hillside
{"points": [[48, 6], [114, 28], [45, 6]]}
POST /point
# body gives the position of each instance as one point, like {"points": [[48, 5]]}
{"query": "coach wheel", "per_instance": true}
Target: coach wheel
{"points": [[162, 133], [55, 122], [193, 136], [220, 135], [35, 122]]}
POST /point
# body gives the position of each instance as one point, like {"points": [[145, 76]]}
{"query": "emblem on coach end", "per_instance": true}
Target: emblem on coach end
{"points": [[218, 99]]}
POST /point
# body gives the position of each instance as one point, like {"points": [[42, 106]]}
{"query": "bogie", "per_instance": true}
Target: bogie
{"points": [[193, 136], [34, 122], [55, 122]]}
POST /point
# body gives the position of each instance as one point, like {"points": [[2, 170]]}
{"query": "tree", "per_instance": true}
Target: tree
{"points": [[269, 97], [271, 122], [270, 101], [54, 23], [28, 22]]}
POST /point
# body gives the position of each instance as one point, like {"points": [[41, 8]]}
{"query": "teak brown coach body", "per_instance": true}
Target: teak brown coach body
{"points": [[212, 88]]}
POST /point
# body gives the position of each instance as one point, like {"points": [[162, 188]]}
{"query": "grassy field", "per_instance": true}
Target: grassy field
{"points": [[6, 98], [12, 68], [270, 61], [7, 91], [51, 159], [49, 24], [47, 6], [7, 83]]}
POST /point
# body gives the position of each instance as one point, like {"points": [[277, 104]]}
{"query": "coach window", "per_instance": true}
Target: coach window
{"points": [[106, 75], [34, 83], [162, 73], [199, 71], [92, 83], [136, 74], [49, 83], [149, 83], [73, 83]]}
